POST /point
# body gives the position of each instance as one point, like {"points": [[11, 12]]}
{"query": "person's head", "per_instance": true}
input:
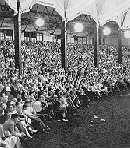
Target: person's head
{"points": [[26, 105], [3, 105], [19, 99], [1, 111], [19, 107], [8, 90], [11, 108], [15, 118], [14, 100]]}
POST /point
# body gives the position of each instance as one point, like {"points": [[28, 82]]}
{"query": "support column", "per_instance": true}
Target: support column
{"points": [[96, 43], [120, 38], [17, 38], [63, 45], [119, 47]]}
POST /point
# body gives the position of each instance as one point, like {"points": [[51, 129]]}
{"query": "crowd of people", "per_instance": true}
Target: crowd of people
{"points": [[45, 91]]}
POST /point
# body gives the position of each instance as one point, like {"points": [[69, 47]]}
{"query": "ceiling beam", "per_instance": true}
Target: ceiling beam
{"points": [[45, 13]]}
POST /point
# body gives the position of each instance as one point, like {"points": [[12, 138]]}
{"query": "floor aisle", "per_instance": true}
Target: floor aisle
{"points": [[105, 124]]}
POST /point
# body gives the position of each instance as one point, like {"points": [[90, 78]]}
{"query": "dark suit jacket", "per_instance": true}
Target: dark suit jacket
{"points": [[9, 127]]}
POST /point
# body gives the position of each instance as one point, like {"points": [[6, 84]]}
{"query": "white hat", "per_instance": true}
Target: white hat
{"points": [[8, 88]]}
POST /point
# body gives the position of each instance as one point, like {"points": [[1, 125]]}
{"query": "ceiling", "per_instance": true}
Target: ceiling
{"points": [[52, 18]]}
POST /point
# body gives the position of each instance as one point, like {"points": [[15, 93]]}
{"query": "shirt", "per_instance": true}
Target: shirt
{"points": [[37, 106], [28, 111]]}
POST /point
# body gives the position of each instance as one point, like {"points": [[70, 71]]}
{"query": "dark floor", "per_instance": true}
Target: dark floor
{"points": [[110, 130]]}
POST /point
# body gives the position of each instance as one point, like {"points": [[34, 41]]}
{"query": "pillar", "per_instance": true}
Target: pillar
{"points": [[17, 38]]}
